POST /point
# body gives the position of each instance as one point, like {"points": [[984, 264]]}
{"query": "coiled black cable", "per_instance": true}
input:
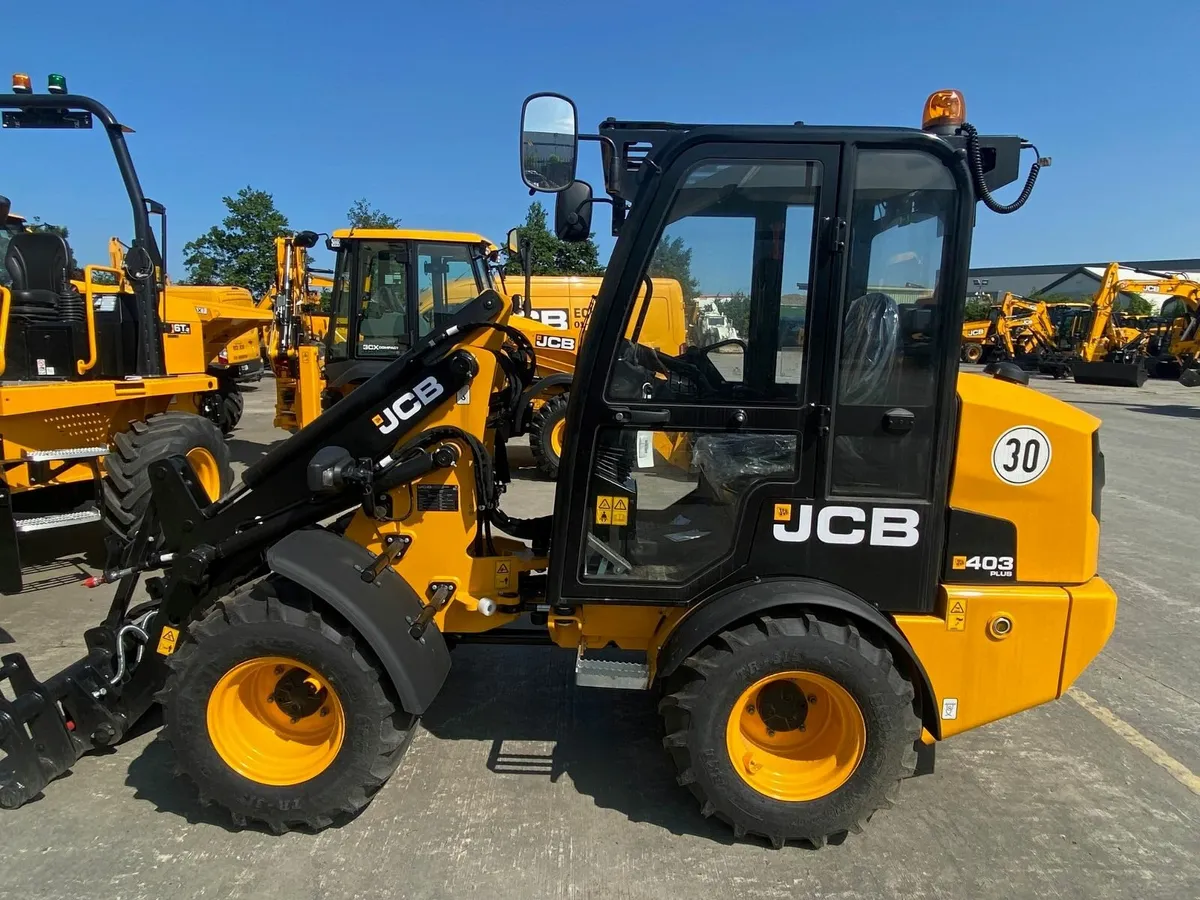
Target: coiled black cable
{"points": [[975, 163]]}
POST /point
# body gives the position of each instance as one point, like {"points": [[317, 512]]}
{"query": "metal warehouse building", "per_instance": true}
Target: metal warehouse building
{"points": [[1079, 280]]}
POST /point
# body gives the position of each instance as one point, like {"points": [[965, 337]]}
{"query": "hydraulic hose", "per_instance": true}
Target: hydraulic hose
{"points": [[975, 163]]}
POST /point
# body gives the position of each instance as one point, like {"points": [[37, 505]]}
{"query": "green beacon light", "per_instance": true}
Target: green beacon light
{"points": [[57, 84]]}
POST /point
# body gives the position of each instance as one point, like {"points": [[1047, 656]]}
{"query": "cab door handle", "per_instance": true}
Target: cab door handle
{"points": [[642, 416], [898, 421]]}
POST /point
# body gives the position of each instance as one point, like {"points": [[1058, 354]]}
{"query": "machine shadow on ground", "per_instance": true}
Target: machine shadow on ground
{"points": [[609, 743]]}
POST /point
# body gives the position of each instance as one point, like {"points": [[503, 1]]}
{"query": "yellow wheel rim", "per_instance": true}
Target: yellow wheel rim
{"points": [[204, 464], [795, 736], [275, 721], [558, 432]]}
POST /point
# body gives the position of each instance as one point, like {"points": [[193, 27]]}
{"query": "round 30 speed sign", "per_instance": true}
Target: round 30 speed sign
{"points": [[1021, 455]]}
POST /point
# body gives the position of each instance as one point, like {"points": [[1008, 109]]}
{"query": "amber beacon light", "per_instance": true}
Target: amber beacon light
{"points": [[944, 109]]}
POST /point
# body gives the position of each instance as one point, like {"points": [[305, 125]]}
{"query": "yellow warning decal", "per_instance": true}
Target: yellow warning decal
{"points": [[956, 616], [783, 512], [166, 643], [503, 575], [604, 505], [620, 511], [958, 562]]}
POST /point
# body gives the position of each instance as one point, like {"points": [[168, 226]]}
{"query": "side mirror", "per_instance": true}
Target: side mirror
{"points": [[549, 142], [5, 208], [573, 213], [305, 239], [513, 242]]}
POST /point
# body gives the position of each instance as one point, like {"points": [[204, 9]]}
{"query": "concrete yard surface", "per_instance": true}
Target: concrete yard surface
{"points": [[520, 785]]}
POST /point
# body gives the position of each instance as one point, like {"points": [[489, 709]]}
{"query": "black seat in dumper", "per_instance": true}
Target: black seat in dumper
{"points": [[37, 263], [47, 317]]}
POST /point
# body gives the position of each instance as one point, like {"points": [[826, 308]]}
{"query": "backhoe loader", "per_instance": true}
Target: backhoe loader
{"points": [[392, 286], [1172, 337], [873, 553], [100, 376]]}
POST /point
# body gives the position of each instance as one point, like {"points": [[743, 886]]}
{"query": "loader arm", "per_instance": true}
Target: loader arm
{"points": [[1101, 333], [382, 436]]}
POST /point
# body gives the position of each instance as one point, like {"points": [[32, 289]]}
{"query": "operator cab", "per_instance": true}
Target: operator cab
{"points": [[391, 288], [826, 452]]}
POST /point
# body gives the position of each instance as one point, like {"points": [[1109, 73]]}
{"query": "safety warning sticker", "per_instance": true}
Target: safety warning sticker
{"points": [[604, 506], [503, 575], [956, 616]]}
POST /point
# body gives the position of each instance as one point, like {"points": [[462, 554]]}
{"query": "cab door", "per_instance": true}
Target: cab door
{"points": [[674, 453]]}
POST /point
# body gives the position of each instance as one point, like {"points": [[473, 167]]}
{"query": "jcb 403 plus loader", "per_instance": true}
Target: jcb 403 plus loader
{"points": [[870, 553]]}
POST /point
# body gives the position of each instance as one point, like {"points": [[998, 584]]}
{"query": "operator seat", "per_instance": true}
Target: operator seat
{"points": [[37, 264], [871, 339]]}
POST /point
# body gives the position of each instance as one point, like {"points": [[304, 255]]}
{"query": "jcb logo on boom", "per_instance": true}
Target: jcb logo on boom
{"points": [[888, 526], [408, 405], [554, 342]]}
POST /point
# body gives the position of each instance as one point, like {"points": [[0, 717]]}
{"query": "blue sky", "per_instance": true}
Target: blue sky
{"points": [[415, 105]]}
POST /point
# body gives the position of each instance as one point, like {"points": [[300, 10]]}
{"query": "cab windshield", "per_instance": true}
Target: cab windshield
{"points": [[373, 316]]}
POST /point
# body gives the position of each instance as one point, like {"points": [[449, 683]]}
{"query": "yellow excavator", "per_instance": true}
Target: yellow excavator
{"points": [[1095, 345], [1123, 350]]}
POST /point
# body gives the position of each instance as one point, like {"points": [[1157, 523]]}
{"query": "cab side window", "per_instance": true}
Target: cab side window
{"points": [[890, 343], [736, 253], [447, 279]]}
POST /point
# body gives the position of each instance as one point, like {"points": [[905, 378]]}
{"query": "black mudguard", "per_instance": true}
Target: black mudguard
{"points": [[380, 611], [717, 613]]}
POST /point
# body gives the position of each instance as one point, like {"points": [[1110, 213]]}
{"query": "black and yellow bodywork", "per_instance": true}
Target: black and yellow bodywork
{"points": [[866, 553]]}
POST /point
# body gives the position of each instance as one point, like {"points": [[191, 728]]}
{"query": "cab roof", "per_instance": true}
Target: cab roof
{"points": [[412, 234]]}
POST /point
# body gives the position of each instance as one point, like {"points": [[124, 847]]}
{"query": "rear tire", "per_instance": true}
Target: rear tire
{"points": [[972, 353], [712, 693], [126, 489], [276, 619], [233, 404], [546, 435]]}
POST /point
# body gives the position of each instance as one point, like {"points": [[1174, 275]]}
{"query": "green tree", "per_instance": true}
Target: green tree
{"points": [[976, 309], [74, 270], [363, 215], [673, 259], [736, 309], [241, 250], [551, 256]]}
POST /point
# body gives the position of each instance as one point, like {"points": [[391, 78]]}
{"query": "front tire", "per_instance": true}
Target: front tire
{"points": [[547, 434], [279, 715], [972, 353], [794, 729], [126, 489]]}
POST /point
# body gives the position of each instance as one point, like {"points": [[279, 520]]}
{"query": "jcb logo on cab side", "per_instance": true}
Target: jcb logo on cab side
{"points": [[554, 342], [408, 405], [888, 526]]}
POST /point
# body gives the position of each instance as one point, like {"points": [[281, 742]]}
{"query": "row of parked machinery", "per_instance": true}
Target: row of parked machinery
{"points": [[821, 552], [1095, 342]]}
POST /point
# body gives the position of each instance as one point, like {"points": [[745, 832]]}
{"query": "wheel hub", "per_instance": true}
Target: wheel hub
{"points": [[298, 694], [782, 706]]}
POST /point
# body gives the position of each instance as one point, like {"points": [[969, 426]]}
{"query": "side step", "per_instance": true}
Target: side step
{"points": [[611, 673], [28, 524], [71, 453]]}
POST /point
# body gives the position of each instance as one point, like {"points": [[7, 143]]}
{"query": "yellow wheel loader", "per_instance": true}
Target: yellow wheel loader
{"points": [[99, 377], [873, 554]]}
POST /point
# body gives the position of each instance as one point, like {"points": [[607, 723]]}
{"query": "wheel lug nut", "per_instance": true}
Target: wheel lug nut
{"points": [[324, 711], [770, 732], [750, 709], [812, 698], [279, 670]]}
